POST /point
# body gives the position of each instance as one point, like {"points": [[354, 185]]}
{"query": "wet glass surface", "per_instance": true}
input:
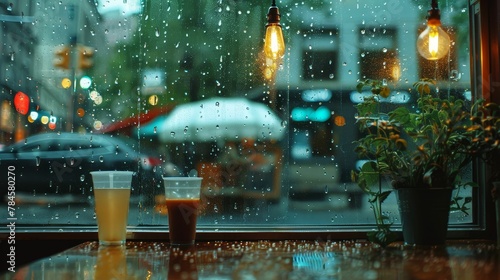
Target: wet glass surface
{"points": [[287, 259], [163, 88]]}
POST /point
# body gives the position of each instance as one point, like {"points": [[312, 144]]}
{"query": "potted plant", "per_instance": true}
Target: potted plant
{"points": [[420, 152]]}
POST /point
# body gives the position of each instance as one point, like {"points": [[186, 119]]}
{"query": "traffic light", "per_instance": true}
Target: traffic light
{"points": [[22, 102], [66, 83], [85, 55], [62, 57]]}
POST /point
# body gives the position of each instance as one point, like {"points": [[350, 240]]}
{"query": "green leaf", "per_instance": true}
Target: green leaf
{"points": [[369, 172], [359, 87], [400, 115], [384, 195]]}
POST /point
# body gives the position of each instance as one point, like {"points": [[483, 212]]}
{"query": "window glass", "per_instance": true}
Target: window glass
{"points": [[324, 54], [167, 88], [378, 53]]}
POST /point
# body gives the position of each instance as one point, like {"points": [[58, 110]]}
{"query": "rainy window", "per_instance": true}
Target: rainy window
{"points": [[378, 48], [177, 88], [320, 56]]}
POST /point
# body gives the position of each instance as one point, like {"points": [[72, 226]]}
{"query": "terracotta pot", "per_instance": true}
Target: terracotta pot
{"points": [[424, 215]]}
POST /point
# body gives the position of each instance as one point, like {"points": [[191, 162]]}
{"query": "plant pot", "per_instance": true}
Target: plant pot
{"points": [[424, 215]]}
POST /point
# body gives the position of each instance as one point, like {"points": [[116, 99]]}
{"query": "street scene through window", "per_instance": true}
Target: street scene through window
{"points": [[184, 88]]}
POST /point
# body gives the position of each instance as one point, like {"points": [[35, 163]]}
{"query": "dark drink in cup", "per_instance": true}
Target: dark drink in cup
{"points": [[182, 214], [182, 195]]}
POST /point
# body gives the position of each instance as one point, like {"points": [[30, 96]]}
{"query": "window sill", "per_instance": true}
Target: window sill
{"points": [[206, 233]]}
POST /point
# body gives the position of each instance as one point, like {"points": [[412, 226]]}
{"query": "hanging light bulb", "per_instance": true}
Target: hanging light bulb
{"points": [[274, 45], [433, 43]]}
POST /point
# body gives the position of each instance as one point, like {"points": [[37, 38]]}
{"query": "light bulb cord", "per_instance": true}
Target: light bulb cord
{"points": [[273, 15], [434, 5], [434, 15]]}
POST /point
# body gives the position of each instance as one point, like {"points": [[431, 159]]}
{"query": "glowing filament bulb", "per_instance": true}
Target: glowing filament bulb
{"points": [[274, 46], [433, 43]]}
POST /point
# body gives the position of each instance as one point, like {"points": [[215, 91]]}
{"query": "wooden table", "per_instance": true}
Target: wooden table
{"points": [[267, 260]]}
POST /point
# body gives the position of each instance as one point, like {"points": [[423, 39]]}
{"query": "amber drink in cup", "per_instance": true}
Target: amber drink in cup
{"points": [[112, 198], [182, 196]]}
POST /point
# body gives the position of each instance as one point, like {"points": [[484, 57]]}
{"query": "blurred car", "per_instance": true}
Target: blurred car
{"points": [[57, 166]]}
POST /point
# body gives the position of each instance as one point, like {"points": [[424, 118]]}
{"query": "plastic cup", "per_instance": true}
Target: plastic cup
{"points": [[182, 195], [112, 198]]}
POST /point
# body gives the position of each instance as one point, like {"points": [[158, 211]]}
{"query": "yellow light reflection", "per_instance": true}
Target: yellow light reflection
{"points": [[66, 83], [93, 95], [98, 100], [97, 125], [44, 119], [153, 99], [396, 72]]}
